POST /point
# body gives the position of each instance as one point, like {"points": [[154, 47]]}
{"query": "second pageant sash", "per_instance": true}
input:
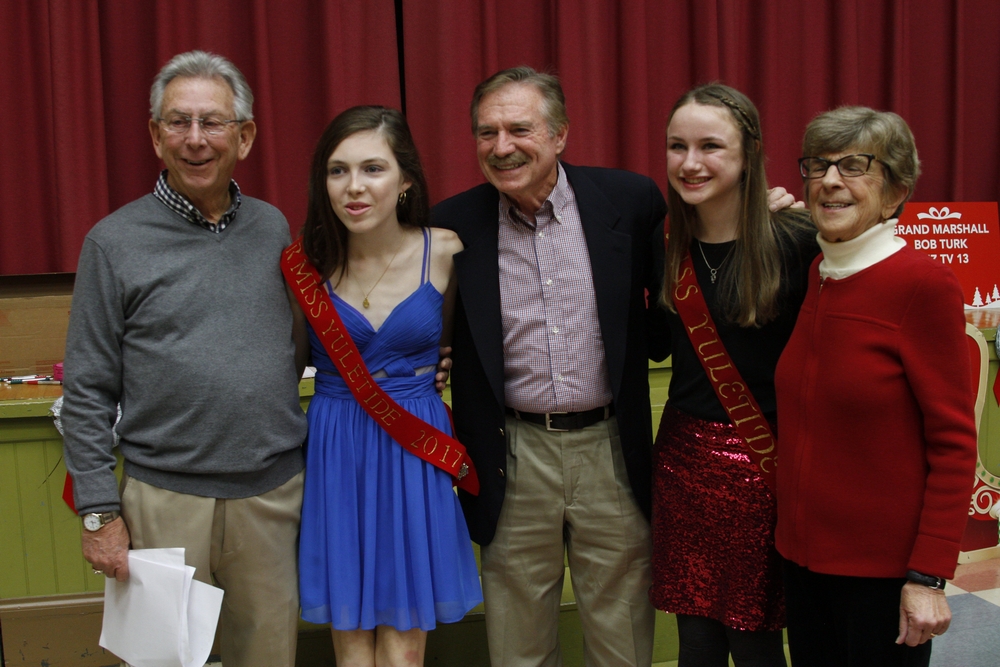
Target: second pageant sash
{"points": [[725, 379]]}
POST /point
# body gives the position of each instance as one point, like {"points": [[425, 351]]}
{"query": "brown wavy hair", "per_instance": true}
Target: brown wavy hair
{"points": [[324, 236]]}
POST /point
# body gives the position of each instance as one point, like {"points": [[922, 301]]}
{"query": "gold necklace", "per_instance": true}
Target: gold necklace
{"points": [[365, 303], [714, 273]]}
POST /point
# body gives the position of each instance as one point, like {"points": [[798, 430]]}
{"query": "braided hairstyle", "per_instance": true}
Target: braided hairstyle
{"points": [[749, 290]]}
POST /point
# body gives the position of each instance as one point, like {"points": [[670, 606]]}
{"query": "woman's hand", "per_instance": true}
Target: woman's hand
{"points": [[923, 613]]}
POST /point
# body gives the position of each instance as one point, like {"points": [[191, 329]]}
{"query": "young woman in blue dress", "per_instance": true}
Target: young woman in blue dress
{"points": [[384, 551]]}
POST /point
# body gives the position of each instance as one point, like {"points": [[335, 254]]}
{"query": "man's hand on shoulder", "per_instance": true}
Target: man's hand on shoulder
{"points": [[446, 241], [107, 549], [779, 198]]}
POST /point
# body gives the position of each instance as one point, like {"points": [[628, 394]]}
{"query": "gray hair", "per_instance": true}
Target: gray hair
{"points": [[881, 133], [203, 65], [553, 100]]}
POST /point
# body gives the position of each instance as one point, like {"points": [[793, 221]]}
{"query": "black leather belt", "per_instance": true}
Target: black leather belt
{"points": [[565, 421]]}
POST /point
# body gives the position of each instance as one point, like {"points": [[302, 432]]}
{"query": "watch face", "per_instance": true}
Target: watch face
{"points": [[92, 522]]}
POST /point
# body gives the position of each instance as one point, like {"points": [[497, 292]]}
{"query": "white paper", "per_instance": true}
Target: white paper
{"points": [[161, 616]]}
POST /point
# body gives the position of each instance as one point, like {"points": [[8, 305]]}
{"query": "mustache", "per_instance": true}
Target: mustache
{"points": [[513, 160]]}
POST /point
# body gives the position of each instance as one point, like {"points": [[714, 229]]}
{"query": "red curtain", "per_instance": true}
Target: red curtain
{"points": [[75, 75], [74, 102], [623, 64]]}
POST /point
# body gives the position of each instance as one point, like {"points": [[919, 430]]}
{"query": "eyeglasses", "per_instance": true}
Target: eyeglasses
{"points": [[848, 166], [180, 124]]}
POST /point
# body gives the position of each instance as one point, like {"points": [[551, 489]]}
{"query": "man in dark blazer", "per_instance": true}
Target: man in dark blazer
{"points": [[550, 378]]}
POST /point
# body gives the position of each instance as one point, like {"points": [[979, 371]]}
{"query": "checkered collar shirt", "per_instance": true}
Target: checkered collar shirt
{"points": [[180, 204], [553, 350]]}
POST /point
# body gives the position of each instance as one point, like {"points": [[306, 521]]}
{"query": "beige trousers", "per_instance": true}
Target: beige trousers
{"points": [[568, 493], [246, 546]]}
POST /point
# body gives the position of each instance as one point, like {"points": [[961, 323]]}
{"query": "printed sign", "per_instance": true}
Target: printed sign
{"points": [[966, 237]]}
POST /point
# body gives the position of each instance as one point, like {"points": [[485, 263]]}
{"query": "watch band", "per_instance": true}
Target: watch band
{"points": [[937, 583], [94, 521]]}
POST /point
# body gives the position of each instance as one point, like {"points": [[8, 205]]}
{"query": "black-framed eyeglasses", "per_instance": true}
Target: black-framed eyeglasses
{"points": [[849, 166], [180, 124]]}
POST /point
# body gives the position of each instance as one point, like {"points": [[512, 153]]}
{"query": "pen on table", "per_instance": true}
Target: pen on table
{"points": [[38, 381], [27, 377]]}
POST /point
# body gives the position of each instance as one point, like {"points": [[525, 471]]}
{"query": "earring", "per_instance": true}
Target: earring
{"points": [[401, 199]]}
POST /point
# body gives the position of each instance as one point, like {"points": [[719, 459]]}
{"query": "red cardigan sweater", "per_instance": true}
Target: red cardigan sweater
{"points": [[877, 435]]}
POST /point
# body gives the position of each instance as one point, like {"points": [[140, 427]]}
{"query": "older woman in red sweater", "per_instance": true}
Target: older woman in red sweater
{"points": [[877, 437]]}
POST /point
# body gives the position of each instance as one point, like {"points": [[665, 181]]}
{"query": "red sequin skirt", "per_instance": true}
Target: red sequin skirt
{"points": [[713, 527]]}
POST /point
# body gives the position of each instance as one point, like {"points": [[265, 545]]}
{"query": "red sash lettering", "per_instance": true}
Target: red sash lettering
{"points": [[727, 382], [413, 434]]}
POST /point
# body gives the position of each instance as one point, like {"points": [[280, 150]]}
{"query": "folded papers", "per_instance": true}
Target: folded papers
{"points": [[161, 616]]}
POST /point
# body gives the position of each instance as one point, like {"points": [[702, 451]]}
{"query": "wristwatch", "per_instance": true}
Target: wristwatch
{"points": [[95, 521], [937, 583]]}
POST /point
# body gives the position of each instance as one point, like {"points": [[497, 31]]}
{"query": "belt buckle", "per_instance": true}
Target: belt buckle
{"points": [[548, 422]]}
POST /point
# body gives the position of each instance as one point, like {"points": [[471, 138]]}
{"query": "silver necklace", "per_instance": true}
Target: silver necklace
{"points": [[714, 272]]}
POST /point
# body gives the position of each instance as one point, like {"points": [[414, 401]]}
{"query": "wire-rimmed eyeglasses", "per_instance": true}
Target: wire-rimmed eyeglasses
{"points": [[180, 124]]}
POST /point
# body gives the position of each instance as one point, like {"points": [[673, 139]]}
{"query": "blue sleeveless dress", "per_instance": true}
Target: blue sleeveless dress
{"points": [[383, 538]]}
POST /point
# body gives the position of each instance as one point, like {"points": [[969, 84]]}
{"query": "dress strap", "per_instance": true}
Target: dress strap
{"points": [[409, 431], [425, 272]]}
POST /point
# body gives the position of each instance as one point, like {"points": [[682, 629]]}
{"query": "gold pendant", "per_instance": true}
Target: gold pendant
{"points": [[365, 302]]}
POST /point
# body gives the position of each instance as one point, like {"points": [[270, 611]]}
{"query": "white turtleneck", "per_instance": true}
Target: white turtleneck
{"points": [[848, 257]]}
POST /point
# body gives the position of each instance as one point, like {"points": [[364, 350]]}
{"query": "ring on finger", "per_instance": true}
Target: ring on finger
{"points": [[98, 571]]}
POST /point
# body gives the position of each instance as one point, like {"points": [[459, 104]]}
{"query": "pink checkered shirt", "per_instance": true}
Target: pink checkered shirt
{"points": [[552, 346]]}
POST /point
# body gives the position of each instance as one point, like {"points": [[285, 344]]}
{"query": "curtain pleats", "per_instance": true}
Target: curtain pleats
{"points": [[75, 75]]}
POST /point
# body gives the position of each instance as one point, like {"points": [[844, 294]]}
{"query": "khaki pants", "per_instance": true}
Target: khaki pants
{"points": [[568, 493], [246, 546]]}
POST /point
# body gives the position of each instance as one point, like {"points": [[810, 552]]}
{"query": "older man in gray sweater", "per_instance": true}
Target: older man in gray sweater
{"points": [[180, 315]]}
